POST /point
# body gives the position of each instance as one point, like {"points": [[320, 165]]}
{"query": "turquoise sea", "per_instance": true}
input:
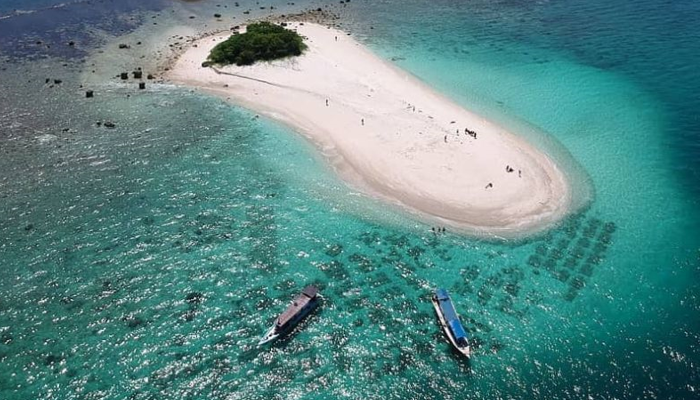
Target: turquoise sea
{"points": [[144, 261]]}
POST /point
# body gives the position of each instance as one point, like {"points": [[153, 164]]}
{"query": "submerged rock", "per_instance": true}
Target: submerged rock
{"points": [[189, 315], [334, 250], [134, 322], [194, 298], [6, 338], [52, 359]]}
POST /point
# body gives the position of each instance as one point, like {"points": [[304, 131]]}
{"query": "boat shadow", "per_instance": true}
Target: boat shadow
{"points": [[463, 363]]}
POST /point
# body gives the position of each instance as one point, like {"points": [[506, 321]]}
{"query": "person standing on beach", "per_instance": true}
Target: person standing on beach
{"points": [[326, 102], [363, 122]]}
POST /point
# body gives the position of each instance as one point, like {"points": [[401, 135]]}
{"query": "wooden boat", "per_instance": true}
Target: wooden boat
{"points": [[449, 321], [302, 305]]}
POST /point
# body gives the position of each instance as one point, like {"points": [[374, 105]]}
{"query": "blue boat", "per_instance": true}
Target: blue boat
{"points": [[449, 320]]}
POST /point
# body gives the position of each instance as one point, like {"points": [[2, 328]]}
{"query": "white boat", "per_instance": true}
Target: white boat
{"points": [[269, 336], [449, 321]]}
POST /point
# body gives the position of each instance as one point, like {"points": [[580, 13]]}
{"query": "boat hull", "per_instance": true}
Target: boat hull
{"points": [[269, 336]]}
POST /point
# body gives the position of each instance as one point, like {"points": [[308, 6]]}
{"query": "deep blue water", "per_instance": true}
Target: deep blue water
{"points": [[104, 233]]}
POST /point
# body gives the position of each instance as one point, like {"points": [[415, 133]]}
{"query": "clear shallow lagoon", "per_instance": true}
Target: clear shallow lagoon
{"points": [[105, 232]]}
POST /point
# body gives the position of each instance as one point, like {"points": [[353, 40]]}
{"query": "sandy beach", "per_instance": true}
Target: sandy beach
{"points": [[391, 136]]}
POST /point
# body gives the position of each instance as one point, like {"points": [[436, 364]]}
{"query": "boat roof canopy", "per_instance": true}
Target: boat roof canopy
{"points": [[307, 296], [457, 329], [450, 314], [448, 310], [442, 294], [310, 291]]}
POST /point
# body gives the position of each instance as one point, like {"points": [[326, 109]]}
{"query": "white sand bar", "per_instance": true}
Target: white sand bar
{"points": [[411, 149]]}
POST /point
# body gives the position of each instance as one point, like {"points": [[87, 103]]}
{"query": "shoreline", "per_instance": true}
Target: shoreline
{"points": [[492, 183]]}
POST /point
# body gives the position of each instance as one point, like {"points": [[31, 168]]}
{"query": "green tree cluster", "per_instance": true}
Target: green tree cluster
{"points": [[261, 41]]}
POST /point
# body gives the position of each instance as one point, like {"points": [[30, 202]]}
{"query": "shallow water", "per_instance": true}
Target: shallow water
{"points": [[105, 232]]}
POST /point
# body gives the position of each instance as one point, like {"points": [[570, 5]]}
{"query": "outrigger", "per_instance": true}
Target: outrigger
{"points": [[449, 321], [300, 308]]}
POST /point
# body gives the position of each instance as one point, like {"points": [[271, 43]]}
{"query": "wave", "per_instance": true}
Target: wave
{"points": [[18, 12]]}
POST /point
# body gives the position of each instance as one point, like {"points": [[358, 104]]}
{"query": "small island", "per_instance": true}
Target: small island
{"points": [[385, 132], [262, 41]]}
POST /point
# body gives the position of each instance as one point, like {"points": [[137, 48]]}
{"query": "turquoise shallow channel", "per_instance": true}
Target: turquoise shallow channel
{"points": [[145, 261]]}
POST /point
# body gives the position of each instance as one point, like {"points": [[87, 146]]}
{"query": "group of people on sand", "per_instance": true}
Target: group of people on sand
{"points": [[509, 169], [467, 131], [439, 229]]}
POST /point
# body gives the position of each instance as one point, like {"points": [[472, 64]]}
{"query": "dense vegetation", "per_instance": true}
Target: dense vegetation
{"points": [[261, 41]]}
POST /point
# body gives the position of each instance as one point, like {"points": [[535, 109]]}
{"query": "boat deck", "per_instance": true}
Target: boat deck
{"points": [[307, 295]]}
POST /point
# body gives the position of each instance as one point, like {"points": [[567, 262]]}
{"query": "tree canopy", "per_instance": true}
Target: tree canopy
{"points": [[261, 41]]}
